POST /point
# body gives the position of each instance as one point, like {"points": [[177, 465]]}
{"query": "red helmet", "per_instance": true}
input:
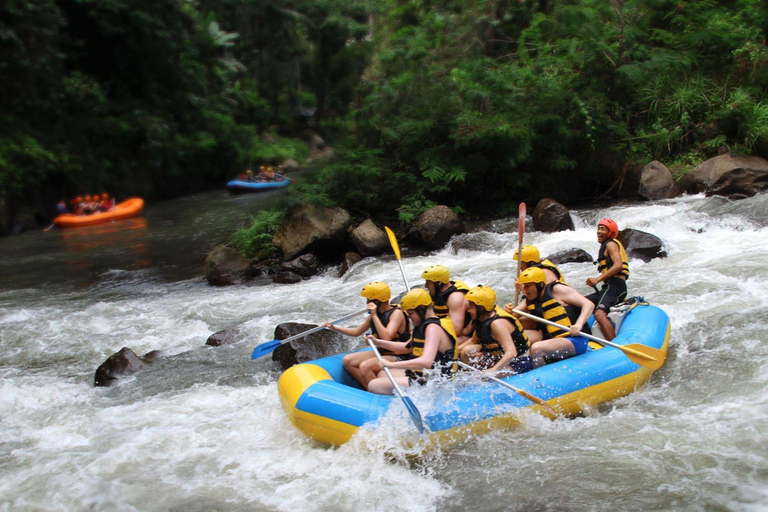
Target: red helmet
{"points": [[610, 224]]}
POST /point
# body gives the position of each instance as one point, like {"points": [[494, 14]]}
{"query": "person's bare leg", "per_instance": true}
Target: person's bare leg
{"points": [[605, 324], [351, 363], [549, 351]]}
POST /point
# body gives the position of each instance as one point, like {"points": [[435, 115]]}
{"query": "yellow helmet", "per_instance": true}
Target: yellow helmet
{"points": [[482, 296], [532, 275], [530, 254], [436, 273], [415, 298], [376, 290]]}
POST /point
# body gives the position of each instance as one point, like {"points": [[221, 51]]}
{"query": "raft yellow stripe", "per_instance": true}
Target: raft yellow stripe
{"points": [[568, 405], [291, 385], [294, 382]]}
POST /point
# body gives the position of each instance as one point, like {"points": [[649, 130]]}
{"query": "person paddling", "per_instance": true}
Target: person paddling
{"points": [[613, 265], [448, 297], [432, 346], [385, 321], [556, 302], [499, 343]]}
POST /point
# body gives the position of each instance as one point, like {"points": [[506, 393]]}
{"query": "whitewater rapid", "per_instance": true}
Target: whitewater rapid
{"points": [[205, 430]]}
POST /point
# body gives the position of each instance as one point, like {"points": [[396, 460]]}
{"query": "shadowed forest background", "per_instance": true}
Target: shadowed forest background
{"points": [[465, 103]]}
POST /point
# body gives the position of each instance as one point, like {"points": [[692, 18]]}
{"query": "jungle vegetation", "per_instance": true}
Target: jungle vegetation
{"points": [[458, 102]]}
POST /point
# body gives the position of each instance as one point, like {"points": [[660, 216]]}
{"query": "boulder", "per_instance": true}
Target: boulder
{"points": [[314, 346], [550, 216], [121, 363], [574, 255], [657, 182], [305, 265], [322, 154], [291, 165], [350, 259], [641, 245], [225, 337], [369, 239], [286, 278], [437, 225], [307, 228], [316, 141], [225, 266], [728, 175]]}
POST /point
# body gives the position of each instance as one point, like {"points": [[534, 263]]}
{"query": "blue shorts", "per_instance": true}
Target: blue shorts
{"points": [[580, 344]]}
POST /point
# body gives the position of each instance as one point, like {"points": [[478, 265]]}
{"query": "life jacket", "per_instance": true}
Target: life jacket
{"points": [[492, 347], [441, 298], [546, 264], [441, 301], [401, 336], [550, 309], [604, 262], [446, 361]]}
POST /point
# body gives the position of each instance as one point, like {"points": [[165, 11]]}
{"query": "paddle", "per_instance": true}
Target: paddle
{"points": [[520, 231], [638, 353], [412, 410], [396, 249], [266, 348], [50, 227], [510, 386]]}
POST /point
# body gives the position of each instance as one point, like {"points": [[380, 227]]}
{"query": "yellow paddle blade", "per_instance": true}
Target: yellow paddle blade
{"points": [[393, 242], [643, 355]]}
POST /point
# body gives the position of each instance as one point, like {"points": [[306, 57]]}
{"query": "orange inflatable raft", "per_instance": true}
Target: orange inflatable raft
{"points": [[125, 210]]}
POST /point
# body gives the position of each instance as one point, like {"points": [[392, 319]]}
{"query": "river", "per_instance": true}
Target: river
{"points": [[205, 431]]}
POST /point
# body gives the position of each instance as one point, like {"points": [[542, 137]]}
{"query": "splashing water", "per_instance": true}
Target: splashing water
{"points": [[208, 432]]}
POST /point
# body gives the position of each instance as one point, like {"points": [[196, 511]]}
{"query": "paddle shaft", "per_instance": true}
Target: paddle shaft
{"points": [[321, 327], [519, 391], [412, 410], [590, 337], [520, 232], [269, 346]]}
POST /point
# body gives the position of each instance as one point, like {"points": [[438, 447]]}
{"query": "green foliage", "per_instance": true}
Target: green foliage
{"points": [[413, 206], [469, 103], [255, 241], [278, 149]]}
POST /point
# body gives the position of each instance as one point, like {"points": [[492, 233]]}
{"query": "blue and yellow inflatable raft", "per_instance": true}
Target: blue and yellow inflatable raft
{"points": [[325, 403]]}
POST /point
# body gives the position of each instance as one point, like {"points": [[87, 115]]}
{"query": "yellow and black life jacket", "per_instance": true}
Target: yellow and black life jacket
{"points": [[604, 262], [492, 347], [546, 264], [441, 298], [384, 318], [446, 361], [550, 309]]}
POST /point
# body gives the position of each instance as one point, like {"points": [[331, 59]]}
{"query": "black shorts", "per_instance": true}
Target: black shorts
{"points": [[614, 290]]}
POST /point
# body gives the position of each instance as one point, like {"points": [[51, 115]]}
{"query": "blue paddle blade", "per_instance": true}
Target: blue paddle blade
{"points": [[414, 412], [265, 348]]}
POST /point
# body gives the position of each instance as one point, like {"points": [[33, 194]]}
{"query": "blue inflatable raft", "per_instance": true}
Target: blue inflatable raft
{"points": [[325, 403], [242, 186]]}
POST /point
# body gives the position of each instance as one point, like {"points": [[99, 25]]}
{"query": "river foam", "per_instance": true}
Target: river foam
{"points": [[205, 431]]}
